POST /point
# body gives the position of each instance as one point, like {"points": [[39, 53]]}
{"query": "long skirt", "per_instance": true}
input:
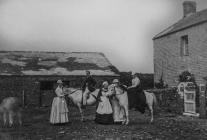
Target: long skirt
{"points": [[104, 112], [59, 111], [133, 97], [137, 99], [104, 118], [118, 112]]}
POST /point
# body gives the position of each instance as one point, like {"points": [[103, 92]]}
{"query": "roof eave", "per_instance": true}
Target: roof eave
{"points": [[16, 75], [154, 38]]}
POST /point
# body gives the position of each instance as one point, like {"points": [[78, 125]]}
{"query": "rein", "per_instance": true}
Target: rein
{"points": [[72, 91], [119, 93]]}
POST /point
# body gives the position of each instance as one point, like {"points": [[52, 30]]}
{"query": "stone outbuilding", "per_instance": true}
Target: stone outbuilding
{"points": [[32, 76]]}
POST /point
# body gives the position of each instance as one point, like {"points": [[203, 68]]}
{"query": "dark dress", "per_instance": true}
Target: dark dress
{"points": [[91, 84], [137, 98]]}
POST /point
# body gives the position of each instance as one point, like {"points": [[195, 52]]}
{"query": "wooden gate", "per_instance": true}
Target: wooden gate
{"points": [[202, 101], [189, 99]]}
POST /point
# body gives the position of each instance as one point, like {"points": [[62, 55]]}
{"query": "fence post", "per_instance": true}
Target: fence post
{"points": [[23, 98], [202, 97]]}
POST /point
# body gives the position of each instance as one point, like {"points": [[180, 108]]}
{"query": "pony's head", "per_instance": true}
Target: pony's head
{"points": [[111, 88], [69, 90]]}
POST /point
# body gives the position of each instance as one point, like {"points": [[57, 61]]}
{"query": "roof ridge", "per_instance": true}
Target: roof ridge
{"points": [[187, 22], [50, 52], [52, 63]]}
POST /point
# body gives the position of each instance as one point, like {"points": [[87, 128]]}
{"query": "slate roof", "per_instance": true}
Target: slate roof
{"points": [[187, 22], [54, 63]]}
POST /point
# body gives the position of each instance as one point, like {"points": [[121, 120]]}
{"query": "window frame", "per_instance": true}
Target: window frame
{"points": [[184, 45]]}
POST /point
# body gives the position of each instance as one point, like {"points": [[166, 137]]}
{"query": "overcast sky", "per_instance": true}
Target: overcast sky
{"points": [[121, 29]]}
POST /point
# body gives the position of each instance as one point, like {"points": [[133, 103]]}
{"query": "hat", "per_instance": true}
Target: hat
{"points": [[105, 83], [59, 82], [115, 81], [88, 71]]}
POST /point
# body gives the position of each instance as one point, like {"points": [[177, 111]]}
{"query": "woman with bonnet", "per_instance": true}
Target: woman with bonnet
{"points": [[104, 112], [59, 111]]}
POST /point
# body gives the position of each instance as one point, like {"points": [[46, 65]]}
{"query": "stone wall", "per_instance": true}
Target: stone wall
{"points": [[30, 86]]}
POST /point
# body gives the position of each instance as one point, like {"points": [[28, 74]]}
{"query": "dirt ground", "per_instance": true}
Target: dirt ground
{"points": [[166, 127]]}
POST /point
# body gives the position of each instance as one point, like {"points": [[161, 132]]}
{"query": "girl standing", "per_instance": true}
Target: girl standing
{"points": [[104, 113]]}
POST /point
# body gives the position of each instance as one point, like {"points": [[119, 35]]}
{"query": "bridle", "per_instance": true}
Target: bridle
{"points": [[80, 89], [116, 92]]}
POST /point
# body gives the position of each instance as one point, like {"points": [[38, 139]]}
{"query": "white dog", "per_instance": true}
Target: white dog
{"points": [[11, 107]]}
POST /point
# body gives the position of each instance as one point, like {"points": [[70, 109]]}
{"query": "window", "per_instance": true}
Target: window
{"points": [[184, 46]]}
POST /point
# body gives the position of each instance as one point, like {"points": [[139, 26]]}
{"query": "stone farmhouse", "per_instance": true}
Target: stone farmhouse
{"points": [[182, 46]]}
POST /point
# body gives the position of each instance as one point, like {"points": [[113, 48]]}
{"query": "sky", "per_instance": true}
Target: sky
{"points": [[121, 29]]}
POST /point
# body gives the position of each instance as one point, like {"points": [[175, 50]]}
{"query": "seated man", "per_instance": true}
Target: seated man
{"points": [[89, 83]]}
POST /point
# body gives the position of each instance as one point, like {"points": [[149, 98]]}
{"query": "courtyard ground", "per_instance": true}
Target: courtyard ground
{"points": [[166, 127]]}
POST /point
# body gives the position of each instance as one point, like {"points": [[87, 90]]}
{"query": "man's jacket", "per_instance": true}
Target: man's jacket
{"points": [[91, 84]]}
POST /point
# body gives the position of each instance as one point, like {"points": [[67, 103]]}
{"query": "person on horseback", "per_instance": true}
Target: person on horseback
{"points": [[136, 96], [90, 83]]}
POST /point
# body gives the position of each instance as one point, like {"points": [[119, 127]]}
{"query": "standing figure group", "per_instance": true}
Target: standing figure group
{"points": [[112, 101], [109, 109]]}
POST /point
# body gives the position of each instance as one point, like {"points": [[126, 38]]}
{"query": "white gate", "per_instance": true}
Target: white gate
{"points": [[190, 99], [181, 89]]}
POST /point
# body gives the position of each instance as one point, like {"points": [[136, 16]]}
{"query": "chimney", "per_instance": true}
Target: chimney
{"points": [[189, 8]]}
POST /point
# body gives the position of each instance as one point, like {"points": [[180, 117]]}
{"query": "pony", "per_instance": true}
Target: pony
{"points": [[120, 104], [10, 107], [76, 96], [122, 98], [151, 102]]}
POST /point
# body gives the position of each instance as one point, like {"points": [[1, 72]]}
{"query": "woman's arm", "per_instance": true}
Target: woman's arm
{"points": [[59, 92], [135, 83]]}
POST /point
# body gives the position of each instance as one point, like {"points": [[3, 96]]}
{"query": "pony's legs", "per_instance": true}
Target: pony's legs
{"points": [[127, 115], [150, 102], [11, 114], [81, 112], [5, 118], [19, 115], [122, 108], [151, 113]]}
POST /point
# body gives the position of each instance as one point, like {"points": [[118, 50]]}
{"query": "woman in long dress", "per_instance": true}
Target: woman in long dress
{"points": [[104, 112], [59, 111]]}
